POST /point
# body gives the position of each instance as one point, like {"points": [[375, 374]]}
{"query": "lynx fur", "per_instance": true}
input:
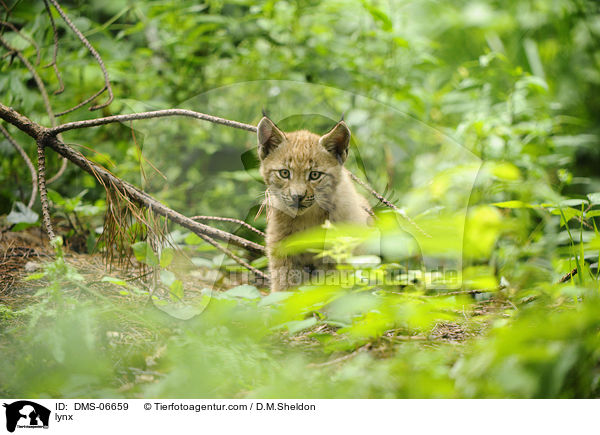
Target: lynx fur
{"points": [[307, 184]]}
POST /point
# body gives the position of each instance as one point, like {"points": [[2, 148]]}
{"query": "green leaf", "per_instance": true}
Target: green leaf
{"points": [[274, 298], [260, 262], [566, 214], [365, 260], [166, 257], [21, 214], [34, 276], [167, 277], [23, 226], [592, 213], [144, 254], [176, 290], [202, 262], [298, 325], [193, 239], [512, 204], [113, 280], [379, 16], [506, 171], [573, 202], [244, 291], [55, 197], [179, 310], [594, 198]]}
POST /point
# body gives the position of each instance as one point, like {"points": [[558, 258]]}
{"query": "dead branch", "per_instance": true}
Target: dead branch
{"points": [[21, 151], [385, 201], [42, 88], [94, 53], [48, 139], [233, 220], [53, 64], [61, 170], [42, 187], [236, 258], [7, 9], [149, 115]]}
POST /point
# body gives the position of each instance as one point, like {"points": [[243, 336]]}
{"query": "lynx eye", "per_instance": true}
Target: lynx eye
{"points": [[284, 173], [315, 175]]}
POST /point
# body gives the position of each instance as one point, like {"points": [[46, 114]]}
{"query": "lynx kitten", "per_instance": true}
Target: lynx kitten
{"points": [[307, 184]]}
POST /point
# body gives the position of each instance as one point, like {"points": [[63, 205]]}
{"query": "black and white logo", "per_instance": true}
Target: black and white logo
{"points": [[26, 414]]}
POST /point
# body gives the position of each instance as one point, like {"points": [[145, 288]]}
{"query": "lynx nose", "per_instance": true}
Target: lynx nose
{"points": [[297, 199]]}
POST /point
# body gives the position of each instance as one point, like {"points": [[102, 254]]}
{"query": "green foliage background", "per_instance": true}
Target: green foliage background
{"points": [[479, 118]]}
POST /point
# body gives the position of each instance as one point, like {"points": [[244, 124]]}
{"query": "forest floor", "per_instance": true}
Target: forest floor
{"points": [[25, 252]]}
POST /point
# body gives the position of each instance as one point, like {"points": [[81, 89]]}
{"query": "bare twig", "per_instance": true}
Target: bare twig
{"points": [[21, 151], [236, 258], [583, 222], [381, 198], [42, 186], [142, 158], [94, 53], [53, 64], [149, 115], [7, 9], [42, 88], [226, 219], [61, 170]]}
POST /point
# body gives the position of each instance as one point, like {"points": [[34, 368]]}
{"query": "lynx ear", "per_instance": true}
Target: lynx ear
{"points": [[337, 141], [269, 137]]}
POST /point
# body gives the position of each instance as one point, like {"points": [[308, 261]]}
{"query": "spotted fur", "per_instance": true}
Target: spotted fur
{"points": [[297, 199]]}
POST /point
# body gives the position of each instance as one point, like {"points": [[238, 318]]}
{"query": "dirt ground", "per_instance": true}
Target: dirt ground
{"points": [[23, 253]]}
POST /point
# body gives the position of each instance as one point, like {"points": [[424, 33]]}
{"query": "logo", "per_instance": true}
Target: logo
{"points": [[26, 414]]}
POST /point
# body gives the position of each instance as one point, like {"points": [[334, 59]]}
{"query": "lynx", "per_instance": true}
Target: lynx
{"points": [[307, 184]]}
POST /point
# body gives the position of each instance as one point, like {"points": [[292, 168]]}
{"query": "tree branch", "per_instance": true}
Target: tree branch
{"points": [[94, 53], [227, 219], [61, 170], [388, 203], [236, 258], [42, 88], [42, 186], [53, 64], [47, 138], [149, 115]]}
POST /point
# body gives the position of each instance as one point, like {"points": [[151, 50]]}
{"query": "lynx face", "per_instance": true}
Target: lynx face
{"points": [[301, 169]]}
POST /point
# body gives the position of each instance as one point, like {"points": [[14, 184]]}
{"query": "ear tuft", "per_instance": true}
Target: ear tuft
{"points": [[336, 141], [269, 137]]}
